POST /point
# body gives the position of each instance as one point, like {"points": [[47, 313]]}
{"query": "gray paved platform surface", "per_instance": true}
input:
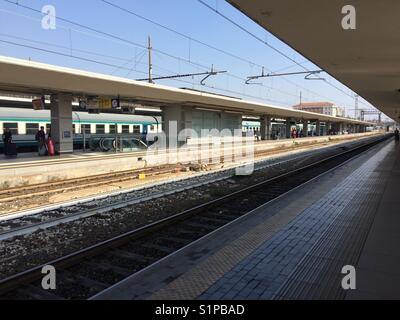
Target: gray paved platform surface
{"points": [[296, 246]]}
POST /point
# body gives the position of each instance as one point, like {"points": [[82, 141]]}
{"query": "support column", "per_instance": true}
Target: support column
{"points": [[265, 128], [327, 128], [305, 128], [341, 128], [336, 128], [288, 128], [176, 119], [318, 128], [61, 123]]}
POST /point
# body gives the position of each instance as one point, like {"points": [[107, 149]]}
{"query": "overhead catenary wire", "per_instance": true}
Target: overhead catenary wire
{"points": [[109, 35], [267, 44], [127, 41], [192, 39], [125, 68]]}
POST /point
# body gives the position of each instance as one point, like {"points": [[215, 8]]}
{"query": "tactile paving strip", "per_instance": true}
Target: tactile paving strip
{"points": [[318, 275], [272, 265], [276, 247]]}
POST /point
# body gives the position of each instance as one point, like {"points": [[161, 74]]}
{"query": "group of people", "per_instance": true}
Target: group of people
{"points": [[40, 138], [296, 133]]}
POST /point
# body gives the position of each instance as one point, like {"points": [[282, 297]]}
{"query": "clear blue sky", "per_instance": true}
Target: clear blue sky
{"points": [[189, 17]]}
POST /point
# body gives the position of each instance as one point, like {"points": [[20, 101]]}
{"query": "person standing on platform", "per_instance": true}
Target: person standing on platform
{"points": [[397, 134], [41, 140], [294, 133], [7, 138]]}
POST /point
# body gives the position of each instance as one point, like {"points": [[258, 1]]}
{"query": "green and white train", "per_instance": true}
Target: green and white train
{"points": [[25, 123]]}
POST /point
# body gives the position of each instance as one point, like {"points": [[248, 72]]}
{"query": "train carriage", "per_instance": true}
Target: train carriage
{"points": [[25, 123]]}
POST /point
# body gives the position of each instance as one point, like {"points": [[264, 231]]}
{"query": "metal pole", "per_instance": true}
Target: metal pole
{"points": [[150, 62], [84, 131], [84, 138], [116, 138], [356, 108]]}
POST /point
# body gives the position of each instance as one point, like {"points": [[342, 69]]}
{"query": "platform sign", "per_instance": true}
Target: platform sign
{"points": [[128, 104], [101, 104], [38, 104], [105, 104], [83, 104], [115, 103], [67, 134]]}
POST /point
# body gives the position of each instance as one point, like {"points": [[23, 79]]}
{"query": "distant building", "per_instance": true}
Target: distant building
{"points": [[326, 108]]}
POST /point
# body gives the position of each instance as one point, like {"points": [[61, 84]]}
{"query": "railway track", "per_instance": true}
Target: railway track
{"points": [[83, 274], [15, 194], [30, 221], [11, 195]]}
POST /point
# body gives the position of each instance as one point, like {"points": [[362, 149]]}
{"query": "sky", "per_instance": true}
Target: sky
{"points": [[106, 39]]}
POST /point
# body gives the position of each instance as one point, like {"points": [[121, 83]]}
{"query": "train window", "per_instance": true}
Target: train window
{"points": [[136, 129], [152, 128], [73, 129], [48, 128], [100, 129], [85, 128], [32, 128], [12, 126], [113, 128], [125, 129]]}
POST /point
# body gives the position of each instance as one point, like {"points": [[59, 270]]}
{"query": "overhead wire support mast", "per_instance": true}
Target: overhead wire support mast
{"points": [[150, 62], [263, 75], [206, 74]]}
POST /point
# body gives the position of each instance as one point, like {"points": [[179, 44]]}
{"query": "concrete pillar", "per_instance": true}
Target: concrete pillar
{"points": [[336, 127], [341, 128], [318, 128], [328, 127], [265, 128], [288, 128], [305, 128], [176, 119], [61, 123]]}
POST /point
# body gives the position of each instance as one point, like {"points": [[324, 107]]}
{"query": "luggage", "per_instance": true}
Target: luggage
{"points": [[42, 150], [50, 147], [12, 150]]}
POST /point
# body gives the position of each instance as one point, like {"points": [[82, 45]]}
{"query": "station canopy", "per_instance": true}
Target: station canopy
{"points": [[366, 58], [24, 76]]}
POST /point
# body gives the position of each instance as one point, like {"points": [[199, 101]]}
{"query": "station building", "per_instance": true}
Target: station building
{"points": [[327, 108]]}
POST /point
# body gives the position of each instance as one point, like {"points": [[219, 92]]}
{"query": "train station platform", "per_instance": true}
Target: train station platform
{"points": [[28, 169], [295, 246]]}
